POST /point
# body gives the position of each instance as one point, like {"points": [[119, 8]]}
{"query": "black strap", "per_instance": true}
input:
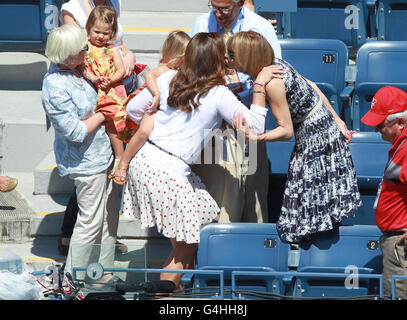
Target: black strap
{"points": [[171, 154]]}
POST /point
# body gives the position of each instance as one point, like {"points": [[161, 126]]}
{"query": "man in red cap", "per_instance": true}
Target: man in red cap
{"points": [[388, 114]]}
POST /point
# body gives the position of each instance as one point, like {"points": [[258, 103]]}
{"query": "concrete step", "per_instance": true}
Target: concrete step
{"points": [[42, 252], [165, 5], [146, 31], [22, 70], [47, 180], [48, 211], [15, 217], [21, 111]]}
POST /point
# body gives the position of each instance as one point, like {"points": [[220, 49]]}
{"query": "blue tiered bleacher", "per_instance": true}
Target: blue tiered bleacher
{"points": [[325, 61], [391, 20], [25, 24], [342, 263], [243, 247], [378, 64], [351, 21]]}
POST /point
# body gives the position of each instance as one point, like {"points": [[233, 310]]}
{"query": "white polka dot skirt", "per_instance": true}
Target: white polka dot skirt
{"points": [[162, 191]]}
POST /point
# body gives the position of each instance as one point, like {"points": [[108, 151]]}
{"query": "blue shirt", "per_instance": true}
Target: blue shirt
{"points": [[67, 100], [247, 20]]}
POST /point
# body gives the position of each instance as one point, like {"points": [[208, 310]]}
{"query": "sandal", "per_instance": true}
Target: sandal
{"points": [[11, 185], [116, 163], [120, 175]]}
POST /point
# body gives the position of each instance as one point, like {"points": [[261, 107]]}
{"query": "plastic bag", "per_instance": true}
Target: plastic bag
{"points": [[9, 261], [19, 284]]}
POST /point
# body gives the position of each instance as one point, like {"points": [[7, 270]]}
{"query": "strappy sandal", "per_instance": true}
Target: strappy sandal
{"points": [[11, 185], [116, 163], [120, 178]]}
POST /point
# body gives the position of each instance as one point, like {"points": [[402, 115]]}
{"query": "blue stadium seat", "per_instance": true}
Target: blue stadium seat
{"points": [[369, 171], [348, 251], [323, 61], [391, 20], [24, 24], [269, 9], [333, 19], [369, 153], [379, 64], [240, 247]]}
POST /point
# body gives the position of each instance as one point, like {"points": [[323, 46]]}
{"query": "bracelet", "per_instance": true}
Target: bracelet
{"points": [[259, 84], [260, 92]]}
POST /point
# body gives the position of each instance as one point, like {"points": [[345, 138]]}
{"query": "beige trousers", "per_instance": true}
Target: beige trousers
{"points": [[394, 263], [94, 234], [241, 197]]}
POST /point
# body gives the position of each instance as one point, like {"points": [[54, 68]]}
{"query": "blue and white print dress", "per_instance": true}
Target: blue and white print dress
{"points": [[321, 187]]}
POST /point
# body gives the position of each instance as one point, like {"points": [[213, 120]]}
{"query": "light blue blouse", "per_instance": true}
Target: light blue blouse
{"points": [[67, 100]]}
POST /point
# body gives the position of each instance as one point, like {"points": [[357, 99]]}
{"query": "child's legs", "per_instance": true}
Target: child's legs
{"points": [[117, 144]]}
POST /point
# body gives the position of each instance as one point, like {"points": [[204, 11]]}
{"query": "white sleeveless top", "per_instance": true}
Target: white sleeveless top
{"points": [[77, 9]]}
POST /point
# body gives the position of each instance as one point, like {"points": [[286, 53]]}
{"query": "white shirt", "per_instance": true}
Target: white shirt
{"points": [[185, 134]]}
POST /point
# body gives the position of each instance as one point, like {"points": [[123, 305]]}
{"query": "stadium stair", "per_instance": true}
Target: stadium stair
{"points": [[32, 214]]}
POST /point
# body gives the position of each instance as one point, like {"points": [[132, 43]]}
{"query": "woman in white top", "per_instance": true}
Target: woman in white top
{"points": [[161, 189], [76, 12]]}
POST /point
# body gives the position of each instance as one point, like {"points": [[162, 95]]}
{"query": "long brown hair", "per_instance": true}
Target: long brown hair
{"points": [[203, 68]]}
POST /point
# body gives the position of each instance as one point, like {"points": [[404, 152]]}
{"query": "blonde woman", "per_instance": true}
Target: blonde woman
{"points": [[321, 187], [82, 149]]}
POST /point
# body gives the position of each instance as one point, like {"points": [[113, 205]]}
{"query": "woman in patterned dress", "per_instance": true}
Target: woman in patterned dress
{"points": [[161, 190], [321, 187]]}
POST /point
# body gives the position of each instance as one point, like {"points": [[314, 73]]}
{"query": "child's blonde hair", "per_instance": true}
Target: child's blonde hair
{"points": [[105, 14], [173, 49]]}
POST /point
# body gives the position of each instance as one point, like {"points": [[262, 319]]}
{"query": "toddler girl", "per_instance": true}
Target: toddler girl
{"points": [[104, 68]]}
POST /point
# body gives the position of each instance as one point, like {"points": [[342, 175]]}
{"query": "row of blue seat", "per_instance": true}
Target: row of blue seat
{"points": [[352, 21], [344, 262], [350, 88], [25, 24]]}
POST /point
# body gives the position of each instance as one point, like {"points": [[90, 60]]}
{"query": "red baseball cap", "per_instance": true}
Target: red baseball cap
{"points": [[386, 101]]}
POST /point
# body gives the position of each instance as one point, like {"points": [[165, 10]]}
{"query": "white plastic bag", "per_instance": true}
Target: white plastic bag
{"points": [[19, 286], [16, 282]]}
